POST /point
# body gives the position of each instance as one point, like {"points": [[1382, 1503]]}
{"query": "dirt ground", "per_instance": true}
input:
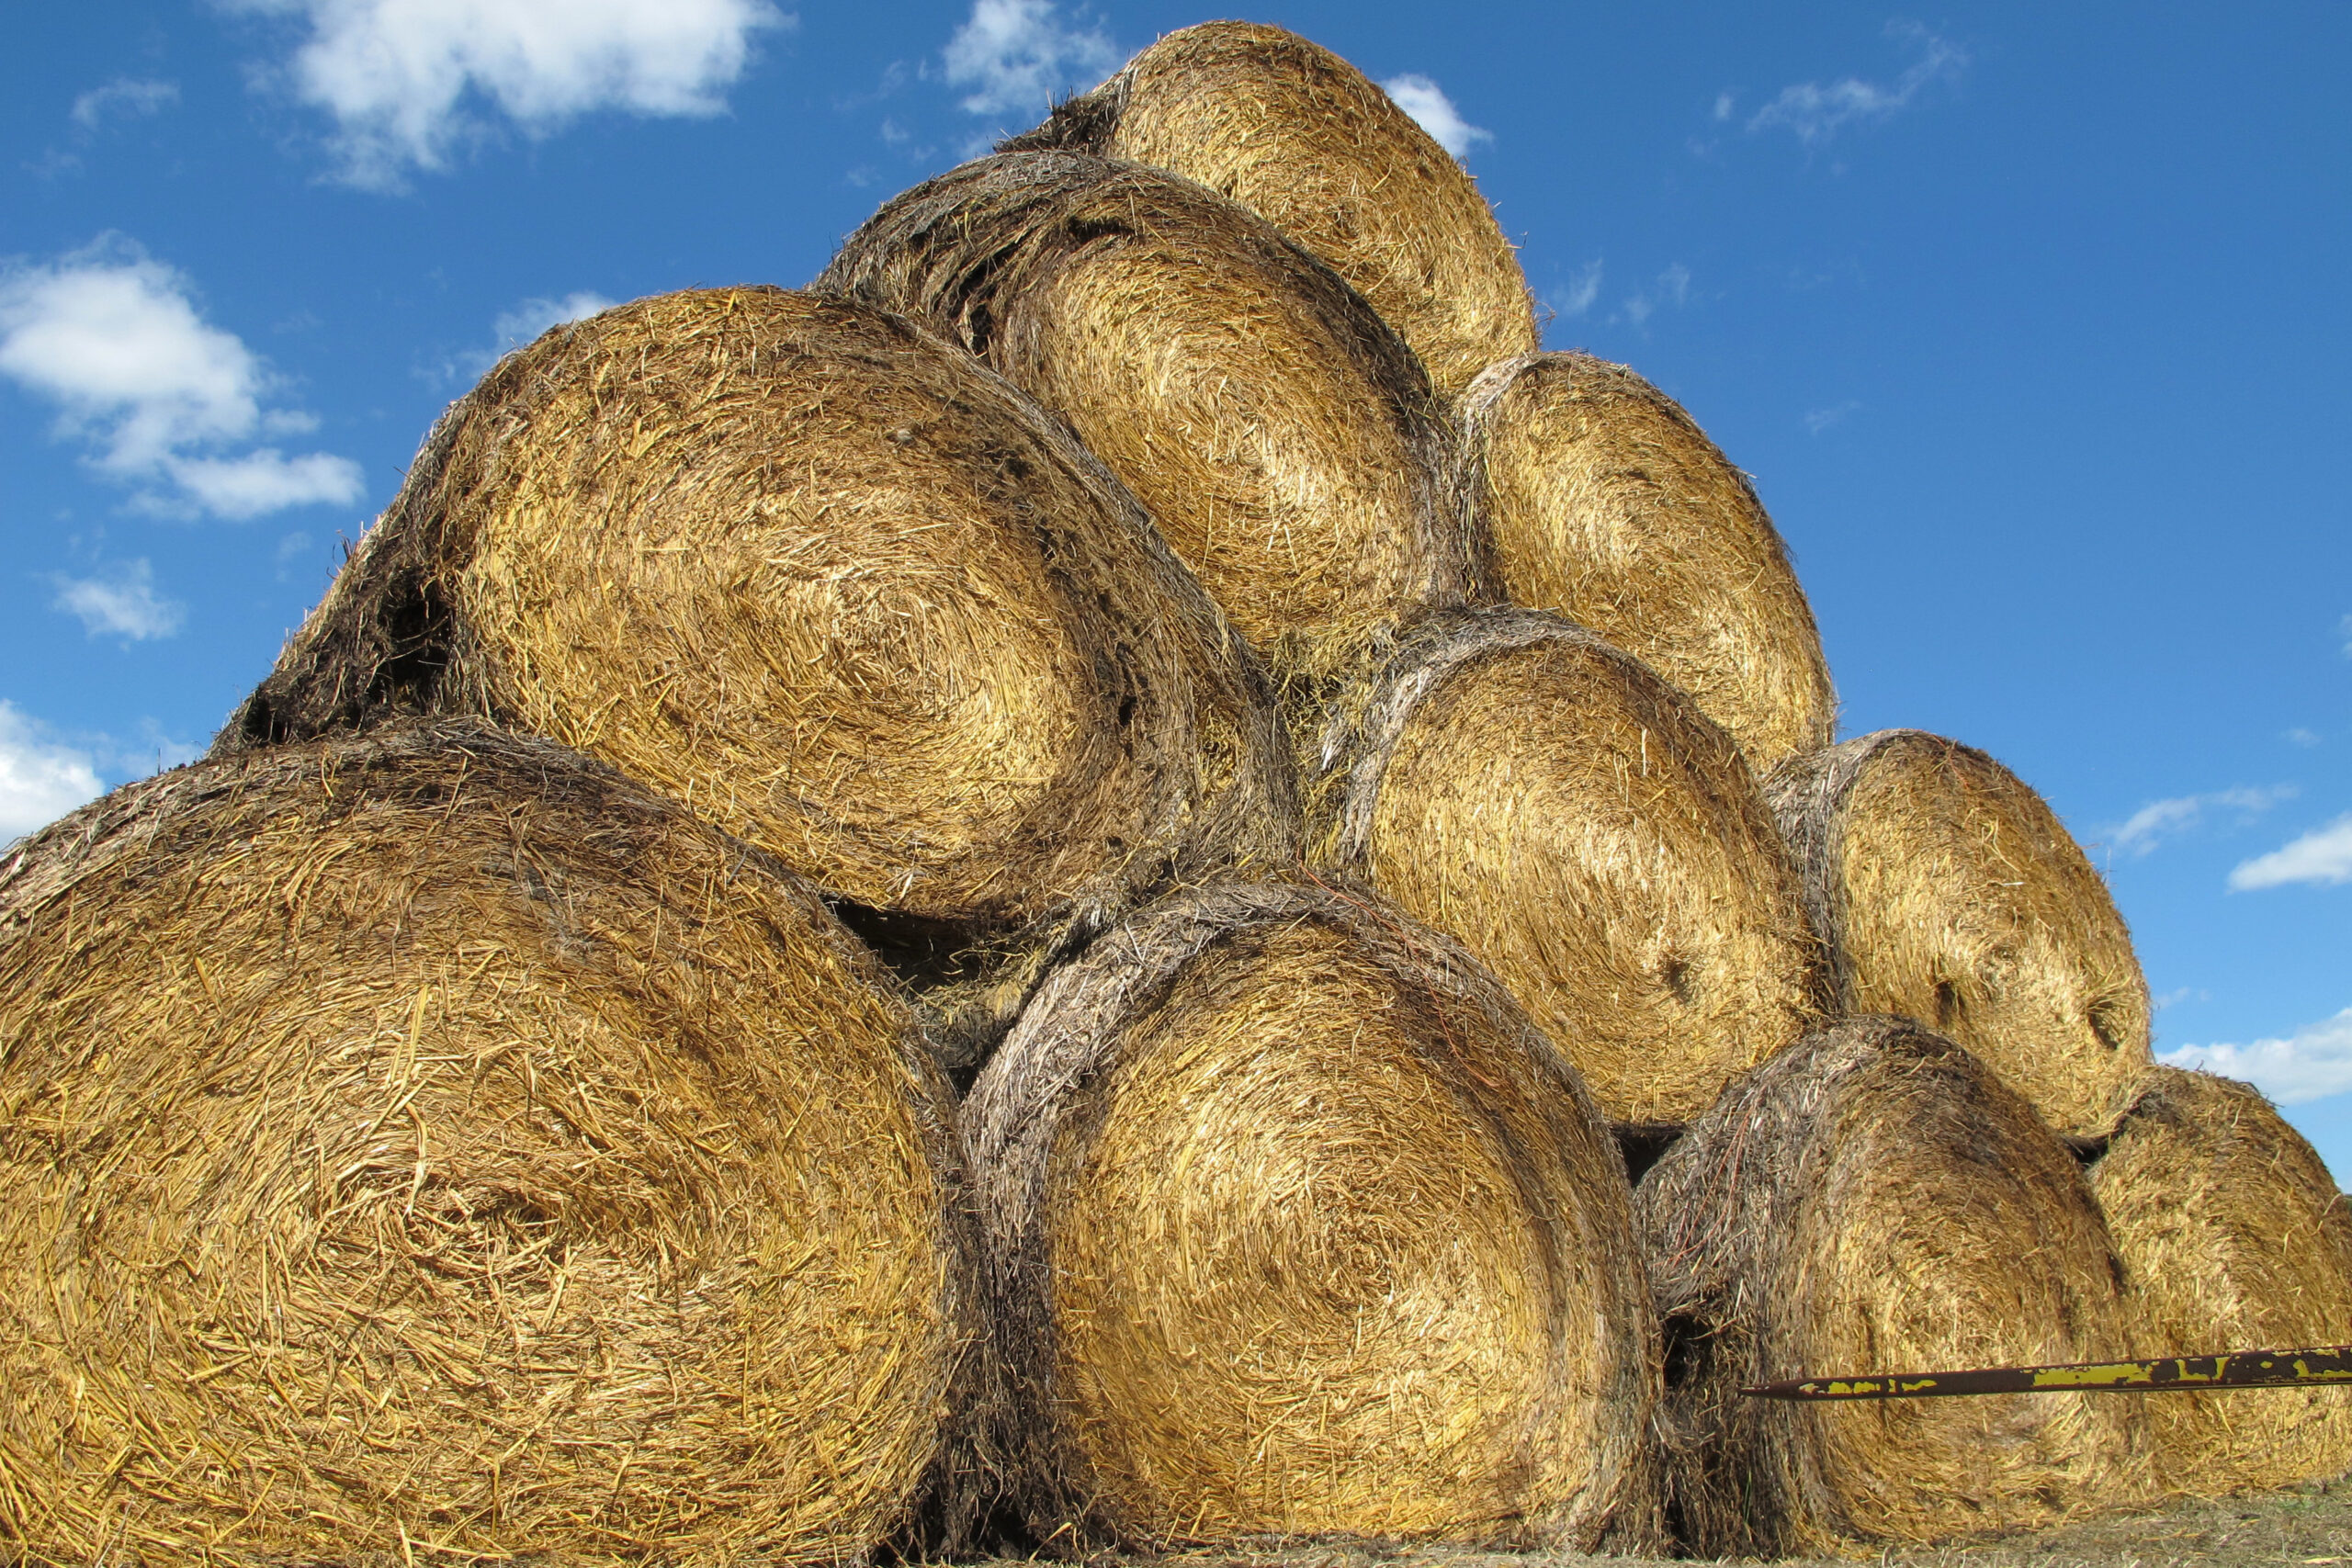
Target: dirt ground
{"points": [[2313, 1526]]}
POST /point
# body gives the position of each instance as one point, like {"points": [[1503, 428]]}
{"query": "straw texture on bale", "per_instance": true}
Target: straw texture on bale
{"points": [[1304, 138], [1949, 893], [1583, 829], [1877, 1201], [1282, 438], [2233, 1237], [1604, 501], [1296, 1225], [432, 1146], [800, 565]]}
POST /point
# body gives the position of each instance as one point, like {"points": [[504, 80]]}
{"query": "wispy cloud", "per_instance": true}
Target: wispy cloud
{"points": [[160, 396], [513, 329], [1578, 294], [2299, 736], [123, 98], [395, 75], [1815, 112], [1819, 419], [42, 779], [1671, 286], [2311, 1063], [1423, 99], [1016, 56], [121, 603], [2344, 630], [2161, 819], [2321, 857]]}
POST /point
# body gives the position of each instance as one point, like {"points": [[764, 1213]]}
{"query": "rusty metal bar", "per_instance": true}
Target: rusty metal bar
{"points": [[2314, 1367]]}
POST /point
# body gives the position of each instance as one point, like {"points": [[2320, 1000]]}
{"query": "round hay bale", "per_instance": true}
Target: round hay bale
{"points": [[1593, 838], [1604, 501], [2233, 1237], [1299, 136], [1297, 1227], [1949, 891], [433, 1147], [814, 573], [1877, 1201], [1284, 438]]}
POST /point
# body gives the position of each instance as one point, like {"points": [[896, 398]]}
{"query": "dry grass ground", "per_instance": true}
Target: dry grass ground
{"points": [[2312, 1525]]}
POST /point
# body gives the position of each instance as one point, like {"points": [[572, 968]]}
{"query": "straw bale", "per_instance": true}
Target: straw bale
{"points": [[432, 1147], [1592, 837], [2233, 1237], [1949, 893], [1604, 501], [1299, 136], [1284, 438], [1296, 1225], [1877, 1201], [808, 570]]}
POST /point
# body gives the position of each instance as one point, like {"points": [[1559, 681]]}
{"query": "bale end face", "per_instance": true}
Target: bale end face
{"points": [[1876, 1201], [1299, 1229], [2234, 1236], [434, 1143]]}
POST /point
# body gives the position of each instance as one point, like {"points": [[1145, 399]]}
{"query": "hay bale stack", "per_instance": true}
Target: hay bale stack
{"points": [[2233, 1237], [1579, 824], [1877, 1201], [1949, 893], [808, 570], [1604, 501], [1280, 434], [433, 1147], [1296, 1225], [1301, 137]]}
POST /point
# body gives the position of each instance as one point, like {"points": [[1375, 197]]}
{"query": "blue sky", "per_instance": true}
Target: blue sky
{"points": [[2030, 320]]}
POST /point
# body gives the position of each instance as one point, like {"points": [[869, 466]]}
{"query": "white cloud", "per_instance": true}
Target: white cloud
{"points": [[111, 336], [534, 316], [1724, 102], [402, 77], [40, 780], [1671, 287], [2299, 736], [124, 98], [1427, 103], [1819, 419], [2162, 819], [2344, 629], [1581, 291], [2311, 1063], [1016, 56], [2322, 856], [1815, 113], [121, 603]]}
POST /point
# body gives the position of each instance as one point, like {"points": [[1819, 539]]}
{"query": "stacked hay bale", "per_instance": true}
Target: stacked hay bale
{"points": [[507, 1163], [1949, 891], [434, 1145], [1876, 1199], [1281, 434], [1604, 501], [1299, 136], [821, 578], [1296, 1225], [1579, 826], [2233, 1237]]}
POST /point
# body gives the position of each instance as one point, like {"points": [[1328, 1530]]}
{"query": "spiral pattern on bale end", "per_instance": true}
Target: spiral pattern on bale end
{"points": [[431, 1145], [2233, 1237], [1305, 140], [1949, 893], [811, 571], [1579, 824], [1603, 500], [1876, 1201], [1296, 1225], [1282, 438]]}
